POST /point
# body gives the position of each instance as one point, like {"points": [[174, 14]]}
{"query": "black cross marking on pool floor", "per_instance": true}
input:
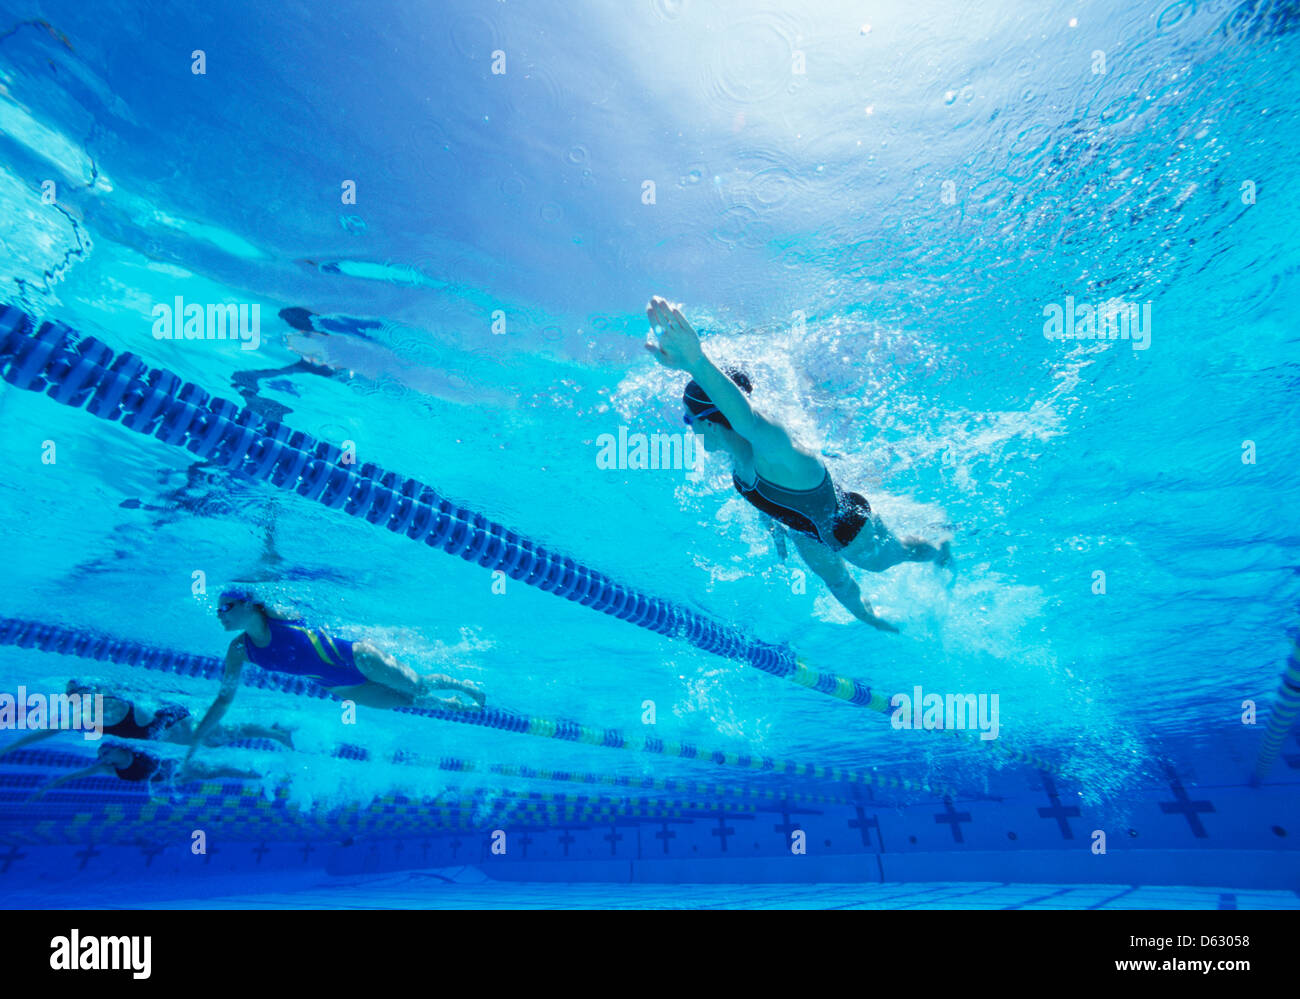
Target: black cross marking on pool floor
{"points": [[1058, 811], [11, 858], [567, 839], [612, 838], [525, 839], [786, 827], [863, 824], [456, 844], [665, 834], [1184, 805], [86, 854], [307, 851], [724, 830], [149, 853], [954, 819]]}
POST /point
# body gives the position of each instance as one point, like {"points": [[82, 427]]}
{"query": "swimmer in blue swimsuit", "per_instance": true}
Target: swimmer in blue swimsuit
{"points": [[356, 671], [783, 480]]}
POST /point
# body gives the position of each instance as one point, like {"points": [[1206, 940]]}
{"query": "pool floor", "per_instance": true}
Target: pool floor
{"points": [[428, 890]]}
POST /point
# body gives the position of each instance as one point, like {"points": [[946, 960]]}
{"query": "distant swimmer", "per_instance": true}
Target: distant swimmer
{"points": [[354, 349], [126, 719], [786, 482], [356, 671], [136, 767]]}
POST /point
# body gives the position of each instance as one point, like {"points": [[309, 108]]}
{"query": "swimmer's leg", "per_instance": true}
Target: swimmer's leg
{"points": [[918, 550], [440, 681], [379, 667], [182, 734], [877, 548], [280, 733], [374, 695], [202, 771]]}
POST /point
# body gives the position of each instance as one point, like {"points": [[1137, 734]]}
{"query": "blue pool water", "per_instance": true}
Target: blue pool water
{"points": [[876, 214]]}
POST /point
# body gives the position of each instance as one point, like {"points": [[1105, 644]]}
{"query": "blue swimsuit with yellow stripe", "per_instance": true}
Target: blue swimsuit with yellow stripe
{"points": [[308, 652]]}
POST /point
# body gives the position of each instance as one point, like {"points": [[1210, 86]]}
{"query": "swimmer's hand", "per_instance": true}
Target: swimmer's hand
{"points": [[867, 615], [880, 624], [679, 345], [778, 538]]}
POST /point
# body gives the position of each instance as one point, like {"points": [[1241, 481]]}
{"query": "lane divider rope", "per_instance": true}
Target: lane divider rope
{"points": [[1286, 705]]}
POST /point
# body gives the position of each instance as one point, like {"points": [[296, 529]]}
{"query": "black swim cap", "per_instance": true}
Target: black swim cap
{"points": [[697, 400], [299, 318]]}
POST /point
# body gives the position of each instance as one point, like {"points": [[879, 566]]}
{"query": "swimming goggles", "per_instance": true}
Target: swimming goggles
{"points": [[690, 419]]}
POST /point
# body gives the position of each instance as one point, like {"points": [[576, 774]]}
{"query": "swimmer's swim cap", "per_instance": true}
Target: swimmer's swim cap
{"points": [[299, 318], [697, 401]]}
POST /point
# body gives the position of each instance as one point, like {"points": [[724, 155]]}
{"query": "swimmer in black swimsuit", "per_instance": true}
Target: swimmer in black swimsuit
{"points": [[356, 671], [783, 480], [145, 768], [168, 723]]}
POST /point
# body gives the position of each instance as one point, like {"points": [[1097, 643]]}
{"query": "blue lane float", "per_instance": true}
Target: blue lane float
{"points": [[80, 371], [1286, 706]]}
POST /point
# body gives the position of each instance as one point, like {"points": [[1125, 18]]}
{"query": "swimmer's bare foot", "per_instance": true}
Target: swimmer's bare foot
{"points": [[455, 704], [440, 681], [945, 555], [474, 690], [431, 700]]}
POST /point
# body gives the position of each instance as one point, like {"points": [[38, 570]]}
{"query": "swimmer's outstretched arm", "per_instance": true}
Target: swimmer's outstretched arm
{"points": [[679, 348], [98, 768], [235, 659], [831, 568], [29, 738]]}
